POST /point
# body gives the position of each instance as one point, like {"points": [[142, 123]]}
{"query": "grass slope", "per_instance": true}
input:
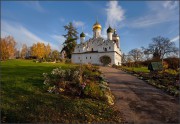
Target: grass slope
{"points": [[23, 98], [136, 69]]}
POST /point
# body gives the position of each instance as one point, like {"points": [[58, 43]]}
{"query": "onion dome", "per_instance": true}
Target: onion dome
{"points": [[115, 35], [96, 26], [109, 30], [82, 34]]}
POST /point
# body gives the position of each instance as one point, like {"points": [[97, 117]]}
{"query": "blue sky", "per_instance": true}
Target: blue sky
{"points": [[136, 22]]}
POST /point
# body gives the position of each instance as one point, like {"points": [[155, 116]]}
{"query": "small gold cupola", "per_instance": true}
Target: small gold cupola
{"points": [[96, 26], [97, 30]]}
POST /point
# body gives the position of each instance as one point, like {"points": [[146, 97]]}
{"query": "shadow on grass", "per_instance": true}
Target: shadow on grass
{"points": [[24, 100], [33, 107]]}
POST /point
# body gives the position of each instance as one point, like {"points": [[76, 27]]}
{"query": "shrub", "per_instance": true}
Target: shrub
{"points": [[172, 62], [30, 57], [171, 71], [165, 65], [114, 66], [71, 81], [105, 60], [93, 90], [58, 77], [68, 61]]}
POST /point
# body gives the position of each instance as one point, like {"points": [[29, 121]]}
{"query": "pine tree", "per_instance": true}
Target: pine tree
{"points": [[71, 37]]}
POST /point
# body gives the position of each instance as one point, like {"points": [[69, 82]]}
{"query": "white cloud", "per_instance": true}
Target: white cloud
{"points": [[175, 39], [21, 34], [58, 38], [35, 5], [170, 4], [115, 15], [78, 23], [160, 12], [89, 35]]}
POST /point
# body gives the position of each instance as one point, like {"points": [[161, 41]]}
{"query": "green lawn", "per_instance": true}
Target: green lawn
{"points": [[24, 99], [136, 69]]}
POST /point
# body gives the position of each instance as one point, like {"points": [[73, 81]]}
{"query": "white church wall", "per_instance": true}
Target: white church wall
{"points": [[93, 58], [117, 59]]}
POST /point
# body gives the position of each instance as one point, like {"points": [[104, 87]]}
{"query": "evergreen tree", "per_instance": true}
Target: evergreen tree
{"points": [[71, 37]]}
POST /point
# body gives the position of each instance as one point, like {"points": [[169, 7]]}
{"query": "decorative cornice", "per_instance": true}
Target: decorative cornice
{"points": [[97, 52]]}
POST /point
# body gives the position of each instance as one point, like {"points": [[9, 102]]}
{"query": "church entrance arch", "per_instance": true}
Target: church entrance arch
{"points": [[105, 60]]}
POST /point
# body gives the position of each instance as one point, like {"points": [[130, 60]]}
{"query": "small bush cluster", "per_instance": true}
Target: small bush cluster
{"points": [[47, 60], [170, 63], [67, 61], [105, 60], [60, 78], [84, 81]]}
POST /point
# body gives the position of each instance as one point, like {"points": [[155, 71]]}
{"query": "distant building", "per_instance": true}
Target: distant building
{"points": [[92, 50], [63, 54]]}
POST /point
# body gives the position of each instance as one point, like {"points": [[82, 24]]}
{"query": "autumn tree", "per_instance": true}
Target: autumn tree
{"points": [[7, 48], [34, 50], [55, 55], [4, 54], [47, 51], [71, 37], [40, 50], [24, 51]]}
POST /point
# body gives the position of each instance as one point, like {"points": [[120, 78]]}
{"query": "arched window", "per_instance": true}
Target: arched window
{"points": [[105, 49], [92, 49]]}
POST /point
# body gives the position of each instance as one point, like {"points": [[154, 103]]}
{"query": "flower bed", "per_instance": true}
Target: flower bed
{"points": [[83, 81]]}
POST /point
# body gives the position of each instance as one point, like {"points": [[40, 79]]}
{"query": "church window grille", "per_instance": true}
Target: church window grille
{"points": [[90, 57], [109, 47], [92, 49], [86, 57]]}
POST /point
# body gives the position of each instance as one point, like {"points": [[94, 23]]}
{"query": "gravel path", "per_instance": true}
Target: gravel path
{"points": [[140, 102]]}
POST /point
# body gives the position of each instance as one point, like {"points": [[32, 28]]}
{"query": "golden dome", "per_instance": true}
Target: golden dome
{"points": [[96, 26]]}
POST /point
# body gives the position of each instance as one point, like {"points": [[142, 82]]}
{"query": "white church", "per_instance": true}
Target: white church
{"points": [[92, 50]]}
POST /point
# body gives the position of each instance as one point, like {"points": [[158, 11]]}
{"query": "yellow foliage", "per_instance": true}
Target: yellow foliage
{"points": [[24, 50], [7, 48], [165, 65], [40, 50]]}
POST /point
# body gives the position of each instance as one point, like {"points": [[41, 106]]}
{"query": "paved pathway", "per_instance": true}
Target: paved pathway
{"points": [[140, 102]]}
